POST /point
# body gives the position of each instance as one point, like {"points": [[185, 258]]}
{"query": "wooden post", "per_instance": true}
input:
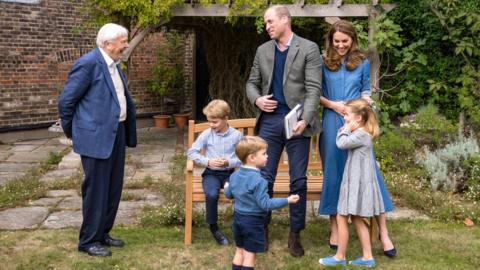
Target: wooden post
{"points": [[374, 56]]}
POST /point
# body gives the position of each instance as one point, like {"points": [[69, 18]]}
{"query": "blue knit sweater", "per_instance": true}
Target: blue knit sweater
{"points": [[250, 192]]}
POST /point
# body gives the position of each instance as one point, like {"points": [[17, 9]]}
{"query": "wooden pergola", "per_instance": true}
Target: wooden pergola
{"points": [[331, 12], [336, 8]]}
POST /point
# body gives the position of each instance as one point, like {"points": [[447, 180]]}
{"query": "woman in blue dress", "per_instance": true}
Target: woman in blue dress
{"points": [[345, 76]]}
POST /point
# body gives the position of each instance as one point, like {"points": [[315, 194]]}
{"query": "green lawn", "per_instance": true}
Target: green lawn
{"points": [[420, 244]]}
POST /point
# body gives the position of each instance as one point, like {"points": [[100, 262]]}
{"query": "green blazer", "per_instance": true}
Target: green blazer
{"points": [[302, 79]]}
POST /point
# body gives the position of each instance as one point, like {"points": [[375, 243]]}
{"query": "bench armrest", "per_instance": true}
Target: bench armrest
{"points": [[189, 165]]}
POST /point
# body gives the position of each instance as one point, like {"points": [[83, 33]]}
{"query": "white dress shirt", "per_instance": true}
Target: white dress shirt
{"points": [[118, 83]]}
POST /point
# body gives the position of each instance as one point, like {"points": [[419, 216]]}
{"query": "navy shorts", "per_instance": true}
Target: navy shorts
{"points": [[249, 232]]}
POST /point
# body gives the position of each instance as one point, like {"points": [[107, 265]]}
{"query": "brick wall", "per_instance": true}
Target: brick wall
{"points": [[38, 45]]}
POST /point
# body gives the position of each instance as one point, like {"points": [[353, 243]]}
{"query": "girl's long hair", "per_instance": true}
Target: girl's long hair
{"points": [[355, 55], [369, 119]]}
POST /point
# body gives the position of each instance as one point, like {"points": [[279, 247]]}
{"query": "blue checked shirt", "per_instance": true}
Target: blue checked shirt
{"points": [[216, 145]]}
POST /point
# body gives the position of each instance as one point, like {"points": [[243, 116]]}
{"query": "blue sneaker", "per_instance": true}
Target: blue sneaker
{"points": [[331, 261], [361, 262]]}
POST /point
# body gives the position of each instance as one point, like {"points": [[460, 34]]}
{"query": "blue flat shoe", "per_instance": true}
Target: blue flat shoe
{"points": [[390, 253], [361, 262], [331, 261]]}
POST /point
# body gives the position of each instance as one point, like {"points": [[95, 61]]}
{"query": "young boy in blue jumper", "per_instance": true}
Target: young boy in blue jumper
{"points": [[252, 202], [218, 142]]}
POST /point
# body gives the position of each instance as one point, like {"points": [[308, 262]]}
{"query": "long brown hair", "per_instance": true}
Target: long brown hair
{"points": [[355, 55], [369, 119]]}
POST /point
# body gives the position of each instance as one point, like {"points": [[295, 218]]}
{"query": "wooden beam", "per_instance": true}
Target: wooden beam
{"points": [[217, 10]]}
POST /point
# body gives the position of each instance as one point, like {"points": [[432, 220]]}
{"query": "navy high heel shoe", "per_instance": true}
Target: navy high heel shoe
{"points": [[390, 253]]}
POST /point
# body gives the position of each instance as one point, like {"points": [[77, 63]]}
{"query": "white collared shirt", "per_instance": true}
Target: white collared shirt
{"points": [[286, 45], [118, 84]]}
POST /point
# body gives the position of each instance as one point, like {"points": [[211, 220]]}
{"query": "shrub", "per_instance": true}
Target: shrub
{"points": [[472, 176], [430, 128], [443, 165], [394, 151]]}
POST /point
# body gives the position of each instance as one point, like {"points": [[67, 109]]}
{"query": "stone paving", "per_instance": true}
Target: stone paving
{"points": [[62, 208], [20, 156]]}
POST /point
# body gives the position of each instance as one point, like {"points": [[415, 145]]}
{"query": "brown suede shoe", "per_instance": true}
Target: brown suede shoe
{"points": [[294, 246]]}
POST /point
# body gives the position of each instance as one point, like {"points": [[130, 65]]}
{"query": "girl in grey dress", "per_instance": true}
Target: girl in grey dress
{"points": [[360, 195]]}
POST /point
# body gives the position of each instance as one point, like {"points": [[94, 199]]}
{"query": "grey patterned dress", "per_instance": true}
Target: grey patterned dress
{"points": [[360, 194]]}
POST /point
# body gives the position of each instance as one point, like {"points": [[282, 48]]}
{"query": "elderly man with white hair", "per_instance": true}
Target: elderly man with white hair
{"points": [[98, 114]]}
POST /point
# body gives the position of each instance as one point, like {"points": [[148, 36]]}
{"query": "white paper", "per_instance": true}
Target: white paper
{"points": [[291, 119]]}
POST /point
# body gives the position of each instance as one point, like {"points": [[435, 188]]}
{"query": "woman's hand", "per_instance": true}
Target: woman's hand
{"points": [[339, 107], [368, 99]]}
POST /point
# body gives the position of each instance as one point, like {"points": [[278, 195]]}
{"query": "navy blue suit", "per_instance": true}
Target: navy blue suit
{"points": [[89, 111]]}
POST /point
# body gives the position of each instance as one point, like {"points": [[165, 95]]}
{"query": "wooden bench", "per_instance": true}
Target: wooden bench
{"points": [[194, 191]]}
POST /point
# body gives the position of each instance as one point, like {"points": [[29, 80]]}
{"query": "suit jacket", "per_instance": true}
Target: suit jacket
{"points": [[302, 78], [89, 108]]}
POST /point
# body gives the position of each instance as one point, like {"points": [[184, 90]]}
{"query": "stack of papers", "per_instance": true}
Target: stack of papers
{"points": [[291, 120]]}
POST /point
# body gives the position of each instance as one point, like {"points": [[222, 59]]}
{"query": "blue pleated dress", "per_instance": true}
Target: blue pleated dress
{"points": [[341, 85]]}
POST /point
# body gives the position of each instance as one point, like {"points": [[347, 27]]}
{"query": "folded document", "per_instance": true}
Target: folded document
{"points": [[291, 120]]}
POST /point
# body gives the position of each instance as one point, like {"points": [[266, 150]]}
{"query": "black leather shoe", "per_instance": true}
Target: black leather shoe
{"points": [[220, 238], [113, 242], [96, 250]]}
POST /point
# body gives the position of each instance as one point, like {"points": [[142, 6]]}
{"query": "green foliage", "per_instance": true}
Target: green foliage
{"points": [[386, 34], [443, 165], [430, 128], [394, 151], [137, 13], [170, 213], [439, 60], [168, 73], [412, 189], [472, 176]]}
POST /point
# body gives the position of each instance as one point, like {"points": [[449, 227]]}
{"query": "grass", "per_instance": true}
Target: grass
{"points": [[421, 245]]}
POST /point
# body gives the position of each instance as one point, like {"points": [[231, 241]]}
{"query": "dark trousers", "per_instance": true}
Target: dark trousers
{"points": [[212, 182], [101, 192], [272, 130]]}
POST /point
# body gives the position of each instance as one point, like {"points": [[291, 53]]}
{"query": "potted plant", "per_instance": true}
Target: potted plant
{"points": [[168, 74]]}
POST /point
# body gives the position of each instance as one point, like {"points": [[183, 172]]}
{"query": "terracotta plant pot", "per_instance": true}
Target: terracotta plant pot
{"points": [[181, 119], [161, 121]]}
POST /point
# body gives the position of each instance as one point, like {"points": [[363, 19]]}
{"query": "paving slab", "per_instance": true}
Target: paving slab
{"points": [[62, 193], [28, 157], [160, 167], [60, 174], [4, 155], [71, 160], [15, 167], [5, 147], [404, 213], [130, 170], [46, 202], [126, 217], [144, 194], [141, 174], [23, 148], [71, 203], [22, 218], [32, 142], [63, 219]]}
